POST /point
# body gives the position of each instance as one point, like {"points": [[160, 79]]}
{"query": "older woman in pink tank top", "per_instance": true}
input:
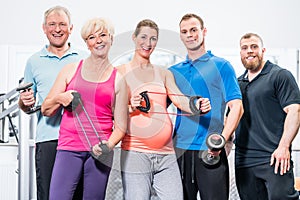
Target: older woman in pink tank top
{"points": [[104, 98]]}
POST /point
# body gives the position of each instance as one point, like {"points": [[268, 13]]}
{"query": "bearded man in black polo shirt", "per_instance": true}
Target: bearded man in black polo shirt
{"points": [[271, 100]]}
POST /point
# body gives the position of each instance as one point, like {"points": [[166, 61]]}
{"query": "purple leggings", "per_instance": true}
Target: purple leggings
{"points": [[68, 168]]}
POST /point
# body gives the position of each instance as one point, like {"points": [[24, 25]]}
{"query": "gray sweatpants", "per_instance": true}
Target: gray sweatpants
{"points": [[143, 171]]}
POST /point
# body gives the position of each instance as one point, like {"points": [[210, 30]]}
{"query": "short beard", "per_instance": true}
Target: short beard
{"points": [[253, 66]]}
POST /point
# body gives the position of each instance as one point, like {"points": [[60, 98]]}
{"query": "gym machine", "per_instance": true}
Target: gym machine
{"points": [[9, 108], [11, 100]]}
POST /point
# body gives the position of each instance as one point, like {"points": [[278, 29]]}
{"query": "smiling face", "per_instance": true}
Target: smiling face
{"points": [[145, 41], [192, 33], [99, 42], [252, 53], [57, 28]]}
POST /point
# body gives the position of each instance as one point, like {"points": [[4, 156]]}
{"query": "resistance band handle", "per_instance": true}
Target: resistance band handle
{"points": [[74, 103], [24, 86], [105, 148], [193, 107], [106, 154], [147, 101]]}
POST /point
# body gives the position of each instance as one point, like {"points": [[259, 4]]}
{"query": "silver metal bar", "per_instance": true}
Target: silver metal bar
{"points": [[8, 95], [8, 110], [23, 179], [26, 158], [32, 176]]}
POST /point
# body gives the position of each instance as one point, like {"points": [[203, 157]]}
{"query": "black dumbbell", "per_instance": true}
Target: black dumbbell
{"points": [[24, 87], [215, 142]]}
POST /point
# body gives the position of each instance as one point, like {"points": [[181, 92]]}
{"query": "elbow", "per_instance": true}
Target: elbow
{"points": [[123, 129], [241, 110], [121, 126], [236, 107]]}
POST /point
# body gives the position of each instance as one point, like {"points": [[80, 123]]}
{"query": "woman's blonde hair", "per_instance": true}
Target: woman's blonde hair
{"points": [[96, 24]]}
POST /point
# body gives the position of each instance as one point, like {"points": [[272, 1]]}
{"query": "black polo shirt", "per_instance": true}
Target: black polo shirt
{"points": [[261, 125]]}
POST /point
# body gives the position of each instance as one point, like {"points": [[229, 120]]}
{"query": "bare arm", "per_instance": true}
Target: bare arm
{"points": [[58, 96], [181, 101], [230, 123], [130, 105], [233, 118], [281, 156], [120, 111]]}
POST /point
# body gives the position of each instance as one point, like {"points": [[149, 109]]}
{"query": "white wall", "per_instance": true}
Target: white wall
{"points": [[226, 20]]}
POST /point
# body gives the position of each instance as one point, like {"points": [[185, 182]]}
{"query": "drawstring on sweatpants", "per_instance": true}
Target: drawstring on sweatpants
{"points": [[193, 166]]}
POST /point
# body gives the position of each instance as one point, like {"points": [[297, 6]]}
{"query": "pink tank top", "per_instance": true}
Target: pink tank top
{"points": [[149, 132], [98, 100]]}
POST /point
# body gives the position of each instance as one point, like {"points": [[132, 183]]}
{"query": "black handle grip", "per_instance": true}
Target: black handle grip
{"points": [[193, 107], [106, 156], [145, 108], [105, 148], [74, 103]]}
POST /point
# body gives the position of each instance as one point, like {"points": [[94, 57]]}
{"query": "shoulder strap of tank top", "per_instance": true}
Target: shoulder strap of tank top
{"points": [[130, 77], [114, 73], [78, 70], [157, 75]]}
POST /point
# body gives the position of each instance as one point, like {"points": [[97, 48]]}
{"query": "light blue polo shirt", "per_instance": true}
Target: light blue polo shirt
{"points": [[42, 69]]}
